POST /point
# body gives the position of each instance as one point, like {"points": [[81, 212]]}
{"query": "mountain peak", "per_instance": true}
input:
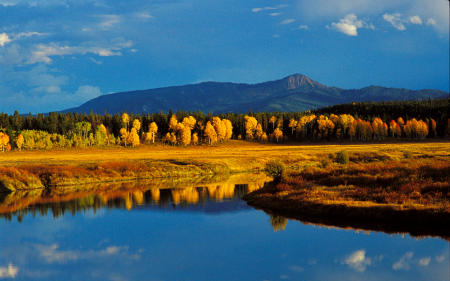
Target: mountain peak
{"points": [[298, 81]]}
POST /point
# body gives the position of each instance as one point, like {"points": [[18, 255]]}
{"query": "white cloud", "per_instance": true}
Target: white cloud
{"points": [[110, 20], [96, 61], [4, 38], [43, 53], [275, 14], [395, 20], [404, 262], [350, 24], [9, 272], [358, 261], [256, 10], [87, 92], [431, 21], [440, 258], [51, 254], [29, 34], [415, 20], [144, 15], [303, 27], [288, 21], [296, 268], [424, 261]]}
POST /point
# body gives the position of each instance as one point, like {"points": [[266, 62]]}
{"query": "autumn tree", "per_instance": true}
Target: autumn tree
{"points": [[277, 134], [210, 133], [194, 139], [173, 123], [125, 120], [137, 125], [124, 136], [153, 129], [19, 142], [228, 128], [433, 127], [250, 126], [292, 124], [4, 141], [272, 120]]}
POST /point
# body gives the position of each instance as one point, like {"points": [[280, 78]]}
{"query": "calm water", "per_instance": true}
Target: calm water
{"points": [[202, 232]]}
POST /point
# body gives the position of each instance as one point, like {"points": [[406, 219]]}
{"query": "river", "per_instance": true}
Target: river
{"points": [[194, 231]]}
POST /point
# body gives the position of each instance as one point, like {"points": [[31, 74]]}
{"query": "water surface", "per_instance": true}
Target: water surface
{"points": [[199, 232]]}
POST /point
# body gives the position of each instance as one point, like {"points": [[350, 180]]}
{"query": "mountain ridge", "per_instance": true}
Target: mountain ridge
{"points": [[292, 93]]}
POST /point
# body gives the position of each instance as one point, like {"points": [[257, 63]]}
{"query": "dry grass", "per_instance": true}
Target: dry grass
{"points": [[75, 166]]}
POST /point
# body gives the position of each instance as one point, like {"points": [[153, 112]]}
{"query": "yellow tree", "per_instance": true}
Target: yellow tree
{"points": [[19, 142], [189, 122], [259, 131], [250, 126], [186, 135], [218, 127], [272, 120], [334, 118], [392, 127], [433, 127], [137, 125], [210, 133], [277, 133], [179, 131], [401, 123], [229, 128], [351, 132], [133, 137], [172, 138], [4, 140], [125, 119], [124, 136], [173, 123], [264, 138], [292, 124], [195, 139], [153, 129]]}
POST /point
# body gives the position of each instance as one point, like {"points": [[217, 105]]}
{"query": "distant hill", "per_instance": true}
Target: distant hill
{"points": [[291, 94]]}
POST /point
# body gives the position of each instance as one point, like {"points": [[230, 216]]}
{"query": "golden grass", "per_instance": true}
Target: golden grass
{"points": [[77, 166]]}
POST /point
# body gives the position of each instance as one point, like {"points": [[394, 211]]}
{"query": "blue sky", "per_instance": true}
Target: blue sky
{"points": [[59, 54]]}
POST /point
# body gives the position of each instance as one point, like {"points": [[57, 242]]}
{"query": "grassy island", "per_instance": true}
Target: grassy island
{"points": [[373, 190]]}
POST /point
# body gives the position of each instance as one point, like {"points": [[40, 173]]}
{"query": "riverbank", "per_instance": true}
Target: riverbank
{"points": [[61, 167], [410, 195]]}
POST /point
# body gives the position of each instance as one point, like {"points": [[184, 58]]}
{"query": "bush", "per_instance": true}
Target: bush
{"points": [[324, 162], [275, 169], [408, 154], [342, 157]]}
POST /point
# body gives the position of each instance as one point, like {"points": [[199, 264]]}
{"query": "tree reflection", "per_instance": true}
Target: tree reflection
{"points": [[278, 222], [128, 195]]}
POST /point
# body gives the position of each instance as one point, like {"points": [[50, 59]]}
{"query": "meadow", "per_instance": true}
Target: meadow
{"points": [[36, 168]]}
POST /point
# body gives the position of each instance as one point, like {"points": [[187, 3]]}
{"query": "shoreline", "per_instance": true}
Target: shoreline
{"points": [[385, 218]]}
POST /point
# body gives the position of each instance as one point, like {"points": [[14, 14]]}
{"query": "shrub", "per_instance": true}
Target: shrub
{"points": [[407, 154], [275, 169], [324, 162], [342, 157]]}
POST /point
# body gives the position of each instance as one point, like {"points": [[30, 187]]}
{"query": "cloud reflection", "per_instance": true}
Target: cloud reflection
{"points": [[358, 260], [9, 272], [51, 253], [404, 262]]}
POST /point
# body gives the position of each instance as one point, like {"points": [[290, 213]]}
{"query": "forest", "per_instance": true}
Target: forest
{"points": [[361, 121]]}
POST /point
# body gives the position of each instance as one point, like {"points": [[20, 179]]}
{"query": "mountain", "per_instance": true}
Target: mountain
{"points": [[293, 93]]}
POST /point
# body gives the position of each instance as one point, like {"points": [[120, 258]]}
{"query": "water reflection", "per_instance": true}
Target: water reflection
{"points": [[203, 231], [127, 195]]}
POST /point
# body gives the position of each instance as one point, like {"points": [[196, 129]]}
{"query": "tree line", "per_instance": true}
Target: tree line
{"points": [[355, 121]]}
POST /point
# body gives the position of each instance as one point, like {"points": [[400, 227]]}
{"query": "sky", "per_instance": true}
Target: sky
{"points": [[56, 54]]}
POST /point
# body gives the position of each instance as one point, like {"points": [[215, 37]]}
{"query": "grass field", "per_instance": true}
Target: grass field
{"points": [[78, 166]]}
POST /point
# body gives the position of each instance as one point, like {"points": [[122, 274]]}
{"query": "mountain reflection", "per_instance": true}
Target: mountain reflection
{"points": [[188, 195]]}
